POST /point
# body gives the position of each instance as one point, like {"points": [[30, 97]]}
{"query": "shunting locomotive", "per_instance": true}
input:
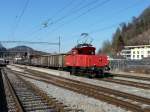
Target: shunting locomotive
{"points": [[83, 59]]}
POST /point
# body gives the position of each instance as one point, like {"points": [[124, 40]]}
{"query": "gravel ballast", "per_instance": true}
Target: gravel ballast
{"points": [[75, 100], [133, 80], [118, 87]]}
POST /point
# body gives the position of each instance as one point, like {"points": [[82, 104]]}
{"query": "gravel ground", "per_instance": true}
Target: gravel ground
{"points": [[119, 87], [15, 68], [133, 80], [130, 73], [75, 100]]}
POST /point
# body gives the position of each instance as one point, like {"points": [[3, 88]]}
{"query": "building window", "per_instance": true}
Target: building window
{"points": [[128, 52], [142, 56], [137, 52], [133, 52], [137, 56], [133, 56], [142, 52], [148, 52]]}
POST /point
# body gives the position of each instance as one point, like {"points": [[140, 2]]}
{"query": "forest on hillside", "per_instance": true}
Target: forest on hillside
{"points": [[136, 32]]}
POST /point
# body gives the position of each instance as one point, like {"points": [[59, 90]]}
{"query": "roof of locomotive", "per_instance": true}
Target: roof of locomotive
{"points": [[84, 46]]}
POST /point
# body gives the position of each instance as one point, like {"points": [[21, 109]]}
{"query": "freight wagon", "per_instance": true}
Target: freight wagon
{"points": [[52, 61]]}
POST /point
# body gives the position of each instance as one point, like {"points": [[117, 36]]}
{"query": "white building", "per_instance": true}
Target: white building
{"points": [[126, 53], [136, 52]]}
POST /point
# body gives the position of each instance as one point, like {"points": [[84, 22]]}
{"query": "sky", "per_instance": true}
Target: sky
{"points": [[47, 20]]}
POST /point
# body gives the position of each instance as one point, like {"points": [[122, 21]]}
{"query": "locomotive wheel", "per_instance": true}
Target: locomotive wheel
{"points": [[73, 70], [99, 74], [92, 75]]}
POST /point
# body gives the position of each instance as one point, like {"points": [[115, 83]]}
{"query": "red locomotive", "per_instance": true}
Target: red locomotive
{"points": [[83, 58]]}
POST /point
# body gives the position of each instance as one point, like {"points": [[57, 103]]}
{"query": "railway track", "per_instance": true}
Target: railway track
{"points": [[124, 100], [115, 75], [125, 82], [23, 96], [132, 77], [13, 102], [3, 102]]}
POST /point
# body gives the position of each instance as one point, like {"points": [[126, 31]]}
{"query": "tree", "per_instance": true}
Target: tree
{"points": [[135, 32], [120, 43], [106, 47]]}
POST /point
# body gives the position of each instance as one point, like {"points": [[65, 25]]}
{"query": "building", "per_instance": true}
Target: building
{"points": [[136, 52], [126, 53]]}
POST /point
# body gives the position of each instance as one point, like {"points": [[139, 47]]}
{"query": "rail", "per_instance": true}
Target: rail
{"points": [[11, 95], [32, 98], [108, 95]]}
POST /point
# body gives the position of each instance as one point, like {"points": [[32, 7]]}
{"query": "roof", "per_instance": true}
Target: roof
{"points": [[137, 46]]}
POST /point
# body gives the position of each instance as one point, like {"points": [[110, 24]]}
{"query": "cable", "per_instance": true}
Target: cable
{"points": [[111, 26], [117, 13], [29, 42], [61, 10], [85, 12], [58, 12], [50, 18], [70, 13], [20, 17], [104, 28], [23, 11], [74, 11], [82, 14], [101, 29]]}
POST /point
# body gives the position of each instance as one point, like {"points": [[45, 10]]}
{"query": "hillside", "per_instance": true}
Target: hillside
{"points": [[22, 48], [143, 38], [2, 48], [26, 49], [136, 32]]}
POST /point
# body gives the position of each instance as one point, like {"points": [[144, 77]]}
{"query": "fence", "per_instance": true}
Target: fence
{"points": [[132, 65]]}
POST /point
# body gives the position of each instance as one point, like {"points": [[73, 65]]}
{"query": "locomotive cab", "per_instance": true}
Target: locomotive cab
{"points": [[83, 49]]}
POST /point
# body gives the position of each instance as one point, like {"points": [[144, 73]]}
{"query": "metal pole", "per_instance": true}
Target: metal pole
{"points": [[59, 44]]}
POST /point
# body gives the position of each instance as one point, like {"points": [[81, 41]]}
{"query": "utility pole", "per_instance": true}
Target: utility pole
{"points": [[59, 44]]}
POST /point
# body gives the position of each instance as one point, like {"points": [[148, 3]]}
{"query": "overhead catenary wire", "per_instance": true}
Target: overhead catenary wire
{"points": [[75, 11], [82, 14], [61, 10], [40, 27], [104, 19], [19, 17], [117, 12], [100, 29], [113, 25], [29, 42]]}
